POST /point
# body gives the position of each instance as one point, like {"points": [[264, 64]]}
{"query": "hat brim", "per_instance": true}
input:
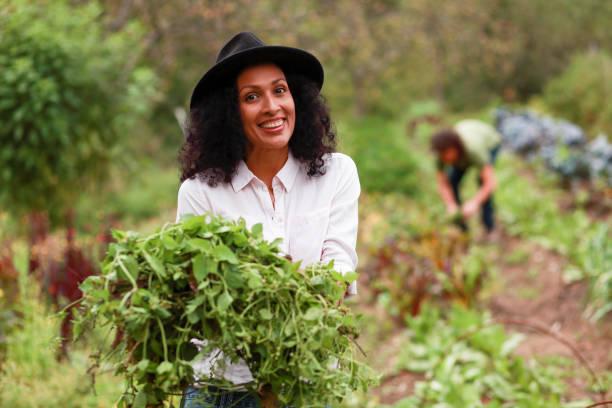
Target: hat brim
{"points": [[290, 60]]}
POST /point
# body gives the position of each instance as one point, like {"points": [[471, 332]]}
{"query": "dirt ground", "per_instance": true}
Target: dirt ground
{"points": [[530, 297], [537, 302]]}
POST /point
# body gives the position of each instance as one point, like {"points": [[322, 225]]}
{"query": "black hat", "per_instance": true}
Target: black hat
{"points": [[246, 49]]}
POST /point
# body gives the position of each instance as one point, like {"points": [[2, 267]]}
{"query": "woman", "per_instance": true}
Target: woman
{"points": [[260, 146]]}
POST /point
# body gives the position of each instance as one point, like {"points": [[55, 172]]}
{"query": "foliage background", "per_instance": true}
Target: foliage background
{"points": [[381, 55], [70, 92], [109, 150]]}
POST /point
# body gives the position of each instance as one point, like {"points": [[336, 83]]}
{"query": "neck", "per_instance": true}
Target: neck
{"points": [[265, 164]]}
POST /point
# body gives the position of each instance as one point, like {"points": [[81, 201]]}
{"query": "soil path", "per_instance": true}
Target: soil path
{"points": [[529, 293], [535, 293]]}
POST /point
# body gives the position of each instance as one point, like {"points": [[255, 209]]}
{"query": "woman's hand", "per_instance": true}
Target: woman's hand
{"points": [[267, 397]]}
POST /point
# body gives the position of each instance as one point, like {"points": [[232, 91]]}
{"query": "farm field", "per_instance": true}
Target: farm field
{"points": [[531, 292], [518, 310], [102, 291]]}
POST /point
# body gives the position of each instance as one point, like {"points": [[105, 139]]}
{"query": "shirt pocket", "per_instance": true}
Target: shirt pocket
{"points": [[306, 236]]}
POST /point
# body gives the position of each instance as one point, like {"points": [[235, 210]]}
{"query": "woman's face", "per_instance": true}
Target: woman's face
{"points": [[266, 107]]}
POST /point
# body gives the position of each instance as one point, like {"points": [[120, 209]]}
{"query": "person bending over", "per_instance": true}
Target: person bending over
{"points": [[469, 144]]}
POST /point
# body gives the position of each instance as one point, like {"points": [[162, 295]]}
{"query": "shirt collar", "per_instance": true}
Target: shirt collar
{"points": [[289, 172], [286, 175], [242, 177]]}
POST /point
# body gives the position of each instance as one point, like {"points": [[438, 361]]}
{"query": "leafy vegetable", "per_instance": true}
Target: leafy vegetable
{"points": [[468, 361], [410, 269], [211, 279]]}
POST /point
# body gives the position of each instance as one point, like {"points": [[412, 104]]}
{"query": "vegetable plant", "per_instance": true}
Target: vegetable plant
{"points": [[411, 269], [468, 361], [215, 280]]}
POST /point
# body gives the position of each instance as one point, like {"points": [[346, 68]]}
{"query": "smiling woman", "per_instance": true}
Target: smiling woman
{"points": [[267, 112], [260, 146]]}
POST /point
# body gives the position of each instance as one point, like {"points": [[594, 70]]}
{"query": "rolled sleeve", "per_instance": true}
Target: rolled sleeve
{"points": [[341, 237], [191, 200]]}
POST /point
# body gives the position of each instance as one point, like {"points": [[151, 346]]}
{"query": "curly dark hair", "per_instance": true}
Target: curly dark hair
{"points": [[216, 143], [447, 139]]}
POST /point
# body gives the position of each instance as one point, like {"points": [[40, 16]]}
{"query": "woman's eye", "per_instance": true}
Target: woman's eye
{"points": [[280, 90], [250, 97]]}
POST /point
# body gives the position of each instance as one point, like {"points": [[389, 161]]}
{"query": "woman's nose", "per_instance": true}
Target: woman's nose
{"points": [[270, 104]]}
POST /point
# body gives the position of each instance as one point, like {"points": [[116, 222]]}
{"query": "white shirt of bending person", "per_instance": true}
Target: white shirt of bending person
{"points": [[316, 218]]}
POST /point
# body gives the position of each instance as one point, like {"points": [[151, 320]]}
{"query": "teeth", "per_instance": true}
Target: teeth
{"points": [[270, 125]]}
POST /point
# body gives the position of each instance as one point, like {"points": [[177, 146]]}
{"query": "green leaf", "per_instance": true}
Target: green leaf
{"points": [[164, 367], [99, 294], [233, 276], [511, 344], [193, 317], [222, 229], [265, 314], [202, 265], [141, 400], [257, 230], [169, 242], [143, 365], [350, 277], [155, 264], [224, 301], [239, 239], [131, 265], [254, 282], [313, 313], [192, 223], [223, 253], [200, 244], [193, 304]]}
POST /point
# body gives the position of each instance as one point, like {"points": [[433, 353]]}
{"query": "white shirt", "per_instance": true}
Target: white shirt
{"points": [[316, 218]]}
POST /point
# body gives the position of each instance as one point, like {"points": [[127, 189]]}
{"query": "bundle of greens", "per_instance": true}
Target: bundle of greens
{"points": [[212, 279]]}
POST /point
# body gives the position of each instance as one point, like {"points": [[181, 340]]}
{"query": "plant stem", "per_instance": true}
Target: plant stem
{"points": [[164, 343]]}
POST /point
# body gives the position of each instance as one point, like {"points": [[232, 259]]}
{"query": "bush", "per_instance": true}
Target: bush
{"points": [[582, 92], [382, 155], [69, 93]]}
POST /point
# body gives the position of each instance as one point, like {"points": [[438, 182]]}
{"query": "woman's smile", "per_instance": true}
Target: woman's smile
{"points": [[273, 125]]}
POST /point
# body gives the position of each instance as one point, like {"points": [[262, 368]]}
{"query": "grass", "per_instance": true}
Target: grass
{"points": [[30, 374], [131, 199]]}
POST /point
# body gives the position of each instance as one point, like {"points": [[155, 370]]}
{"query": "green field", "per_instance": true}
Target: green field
{"points": [[89, 142]]}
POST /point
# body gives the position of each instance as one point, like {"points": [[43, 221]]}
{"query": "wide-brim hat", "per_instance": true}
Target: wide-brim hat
{"points": [[246, 49]]}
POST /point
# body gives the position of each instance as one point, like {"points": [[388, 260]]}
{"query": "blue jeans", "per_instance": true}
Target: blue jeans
{"points": [[213, 397], [487, 210]]}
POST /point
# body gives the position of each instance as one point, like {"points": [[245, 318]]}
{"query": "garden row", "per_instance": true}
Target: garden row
{"points": [[432, 282]]}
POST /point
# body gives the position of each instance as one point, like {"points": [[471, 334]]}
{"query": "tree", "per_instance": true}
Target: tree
{"points": [[380, 55], [581, 93], [69, 95]]}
